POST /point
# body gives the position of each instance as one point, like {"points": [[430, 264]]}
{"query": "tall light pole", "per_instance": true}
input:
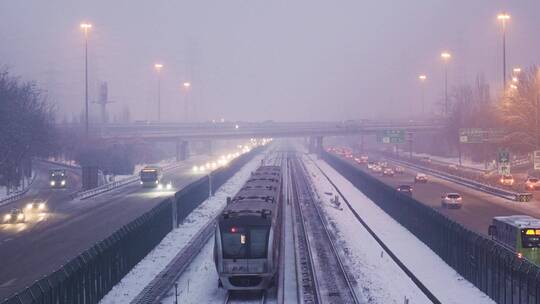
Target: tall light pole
{"points": [[86, 27], [158, 67], [503, 18], [446, 57], [186, 85], [422, 81]]}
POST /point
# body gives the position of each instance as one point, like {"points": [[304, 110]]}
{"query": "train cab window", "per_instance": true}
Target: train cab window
{"points": [[259, 240], [245, 243]]}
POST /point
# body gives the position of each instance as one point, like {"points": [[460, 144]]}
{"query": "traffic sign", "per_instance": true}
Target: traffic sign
{"points": [[503, 160], [478, 135], [536, 160], [391, 136]]}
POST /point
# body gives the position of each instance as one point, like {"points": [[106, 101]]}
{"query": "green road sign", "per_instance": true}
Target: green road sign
{"points": [[478, 135], [503, 156], [391, 136]]}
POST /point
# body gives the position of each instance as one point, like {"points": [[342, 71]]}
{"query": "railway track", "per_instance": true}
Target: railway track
{"points": [[321, 274]]}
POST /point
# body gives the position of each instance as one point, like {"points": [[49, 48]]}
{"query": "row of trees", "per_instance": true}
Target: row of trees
{"points": [[26, 128], [516, 113]]}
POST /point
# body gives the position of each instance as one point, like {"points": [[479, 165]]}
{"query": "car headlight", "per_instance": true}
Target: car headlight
{"points": [[169, 186], [141, 182], [41, 206], [63, 182], [20, 216], [7, 217], [53, 183], [157, 182], [29, 206], [160, 186]]}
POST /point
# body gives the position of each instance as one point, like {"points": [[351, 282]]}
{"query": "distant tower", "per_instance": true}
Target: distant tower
{"points": [[103, 100]]}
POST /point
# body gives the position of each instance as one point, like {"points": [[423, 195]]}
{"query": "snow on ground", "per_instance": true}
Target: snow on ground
{"points": [[381, 279], [144, 272], [455, 160]]}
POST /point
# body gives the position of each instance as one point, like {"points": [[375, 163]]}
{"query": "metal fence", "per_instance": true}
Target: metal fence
{"points": [[492, 268], [90, 276]]}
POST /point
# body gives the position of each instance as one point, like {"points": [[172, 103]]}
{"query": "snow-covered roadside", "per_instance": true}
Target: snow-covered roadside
{"points": [[143, 273], [381, 279]]}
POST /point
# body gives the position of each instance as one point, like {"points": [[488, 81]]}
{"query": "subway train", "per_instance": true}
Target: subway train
{"points": [[248, 233]]}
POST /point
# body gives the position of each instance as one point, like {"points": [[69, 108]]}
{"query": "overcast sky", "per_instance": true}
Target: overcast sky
{"points": [[263, 60]]}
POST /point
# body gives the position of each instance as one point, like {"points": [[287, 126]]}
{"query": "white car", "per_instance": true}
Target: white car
{"points": [[507, 180], [377, 169], [167, 186], [420, 178], [451, 200]]}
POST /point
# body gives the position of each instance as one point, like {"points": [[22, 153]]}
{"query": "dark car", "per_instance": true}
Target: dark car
{"points": [[405, 189], [14, 216]]}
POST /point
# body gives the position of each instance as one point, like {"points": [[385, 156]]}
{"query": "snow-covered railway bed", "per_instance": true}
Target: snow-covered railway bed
{"points": [[322, 276], [389, 263], [249, 298]]}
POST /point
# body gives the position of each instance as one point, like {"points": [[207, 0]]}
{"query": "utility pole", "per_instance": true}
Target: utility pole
{"points": [[86, 27]]}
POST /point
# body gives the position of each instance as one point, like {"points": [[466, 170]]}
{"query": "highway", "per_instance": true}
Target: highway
{"points": [[478, 207], [47, 240]]}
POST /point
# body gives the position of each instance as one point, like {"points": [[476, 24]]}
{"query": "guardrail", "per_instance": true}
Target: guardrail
{"points": [[88, 277], [510, 195], [495, 270], [82, 195], [19, 194]]}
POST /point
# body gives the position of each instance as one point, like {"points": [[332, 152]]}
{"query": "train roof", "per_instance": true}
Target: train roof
{"points": [[259, 195], [519, 221]]}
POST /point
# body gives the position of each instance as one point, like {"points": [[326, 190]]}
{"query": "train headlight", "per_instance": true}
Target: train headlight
{"points": [[141, 182], [53, 183], [63, 182], [41, 206], [29, 206], [157, 182], [195, 168], [169, 186], [7, 217], [20, 216], [160, 186]]}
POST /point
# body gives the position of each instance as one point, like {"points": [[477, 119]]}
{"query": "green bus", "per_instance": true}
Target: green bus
{"points": [[519, 233]]}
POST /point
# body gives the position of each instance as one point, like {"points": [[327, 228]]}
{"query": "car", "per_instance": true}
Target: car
{"points": [[376, 169], [399, 170], [35, 205], [405, 189], [420, 178], [383, 164], [532, 183], [371, 164], [388, 172], [364, 159], [451, 200], [166, 186], [14, 216], [507, 180]]}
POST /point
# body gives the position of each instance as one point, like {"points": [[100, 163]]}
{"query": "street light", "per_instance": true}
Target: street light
{"points": [[422, 80], [158, 67], [446, 57], [187, 86], [503, 18], [86, 27]]}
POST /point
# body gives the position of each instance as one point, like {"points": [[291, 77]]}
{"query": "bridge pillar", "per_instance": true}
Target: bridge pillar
{"points": [[182, 150], [315, 144]]}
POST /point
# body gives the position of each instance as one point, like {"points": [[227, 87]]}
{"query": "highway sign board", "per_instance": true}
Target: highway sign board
{"points": [[503, 160], [391, 136], [478, 135], [536, 160]]}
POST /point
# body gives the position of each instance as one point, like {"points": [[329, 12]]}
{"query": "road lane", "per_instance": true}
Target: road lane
{"points": [[478, 207], [30, 251]]}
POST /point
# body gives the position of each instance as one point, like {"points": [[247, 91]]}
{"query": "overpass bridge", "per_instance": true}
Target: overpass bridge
{"points": [[183, 133]]}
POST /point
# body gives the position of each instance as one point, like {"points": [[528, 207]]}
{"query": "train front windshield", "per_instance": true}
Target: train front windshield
{"points": [[248, 242], [530, 238]]}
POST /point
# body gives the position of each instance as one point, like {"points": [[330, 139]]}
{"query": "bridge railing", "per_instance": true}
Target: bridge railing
{"points": [[492, 268]]}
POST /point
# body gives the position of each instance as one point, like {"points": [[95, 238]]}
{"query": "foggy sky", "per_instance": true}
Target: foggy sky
{"points": [[263, 60]]}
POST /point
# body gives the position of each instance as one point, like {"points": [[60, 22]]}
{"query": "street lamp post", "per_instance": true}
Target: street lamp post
{"points": [[422, 80], [158, 67], [86, 27], [187, 86], [446, 57], [504, 17]]}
